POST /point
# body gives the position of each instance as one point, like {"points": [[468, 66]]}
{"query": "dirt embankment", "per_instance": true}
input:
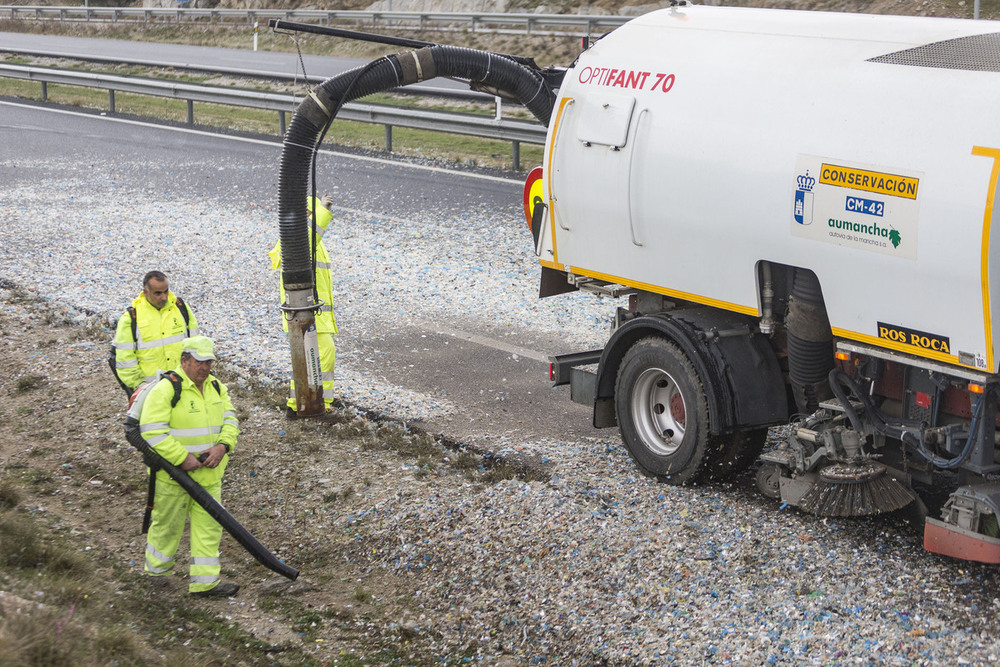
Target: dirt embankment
{"points": [[71, 498]]}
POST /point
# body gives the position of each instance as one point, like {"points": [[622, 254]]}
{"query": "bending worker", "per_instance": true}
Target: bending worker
{"points": [[326, 325], [190, 421], [149, 333]]}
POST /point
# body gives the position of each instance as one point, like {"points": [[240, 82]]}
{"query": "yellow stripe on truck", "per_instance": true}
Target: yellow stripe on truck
{"points": [[984, 249], [687, 296]]}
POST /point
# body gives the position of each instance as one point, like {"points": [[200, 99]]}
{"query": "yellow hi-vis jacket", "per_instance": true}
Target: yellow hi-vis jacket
{"points": [[197, 423], [325, 323], [157, 342]]}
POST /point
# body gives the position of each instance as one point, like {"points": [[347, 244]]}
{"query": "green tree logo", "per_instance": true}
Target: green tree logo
{"points": [[895, 238]]}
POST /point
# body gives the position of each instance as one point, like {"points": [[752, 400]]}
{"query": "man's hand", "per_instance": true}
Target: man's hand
{"points": [[214, 456], [190, 463]]}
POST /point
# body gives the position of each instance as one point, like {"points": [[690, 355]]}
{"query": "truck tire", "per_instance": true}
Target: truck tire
{"points": [[662, 412], [736, 452]]}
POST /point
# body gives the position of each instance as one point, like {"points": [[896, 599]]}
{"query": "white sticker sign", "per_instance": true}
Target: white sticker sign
{"points": [[856, 205]]}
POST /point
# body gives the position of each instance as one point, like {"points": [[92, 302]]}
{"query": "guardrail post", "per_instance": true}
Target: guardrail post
{"points": [[281, 123], [498, 128], [516, 154]]}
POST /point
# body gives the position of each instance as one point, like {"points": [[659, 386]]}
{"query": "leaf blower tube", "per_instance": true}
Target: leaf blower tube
{"points": [[302, 140], [211, 505]]}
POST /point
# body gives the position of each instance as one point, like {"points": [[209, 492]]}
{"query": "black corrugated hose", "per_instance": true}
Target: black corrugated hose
{"points": [[211, 505], [317, 111]]}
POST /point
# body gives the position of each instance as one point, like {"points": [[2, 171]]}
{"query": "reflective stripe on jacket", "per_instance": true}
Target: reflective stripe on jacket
{"points": [[325, 322], [198, 422], [157, 343]]}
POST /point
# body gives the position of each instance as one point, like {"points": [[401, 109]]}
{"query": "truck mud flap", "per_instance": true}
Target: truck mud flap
{"points": [[744, 385]]}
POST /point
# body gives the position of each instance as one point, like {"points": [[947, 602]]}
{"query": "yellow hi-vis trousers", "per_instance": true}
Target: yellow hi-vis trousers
{"points": [[327, 359], [171, 507]]}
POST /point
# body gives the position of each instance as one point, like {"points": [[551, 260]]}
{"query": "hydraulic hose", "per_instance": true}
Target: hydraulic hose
{"points": [[878, 419], [836, 376], [903, 429], [211, 505], [950, 464]]}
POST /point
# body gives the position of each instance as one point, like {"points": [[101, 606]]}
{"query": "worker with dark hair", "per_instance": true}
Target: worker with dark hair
{"points": [[326, 325], [149, 333], [189, 420]]}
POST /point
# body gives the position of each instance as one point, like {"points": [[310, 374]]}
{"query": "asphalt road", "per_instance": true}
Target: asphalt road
{"points": [[435, 289], [267, 64]]}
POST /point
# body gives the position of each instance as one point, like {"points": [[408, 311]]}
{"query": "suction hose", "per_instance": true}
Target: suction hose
{"points": [[305, 133], [211, 505]]}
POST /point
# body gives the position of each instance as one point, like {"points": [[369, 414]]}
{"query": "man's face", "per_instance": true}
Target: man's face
{"points": [[156, 293], [196, 370]]}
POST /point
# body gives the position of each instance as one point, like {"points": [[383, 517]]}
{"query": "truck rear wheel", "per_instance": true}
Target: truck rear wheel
{"points": [[662, 411], [736, 452]]}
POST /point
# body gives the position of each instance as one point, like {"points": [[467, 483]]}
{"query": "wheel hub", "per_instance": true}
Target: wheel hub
{"points": [[658, 411]]}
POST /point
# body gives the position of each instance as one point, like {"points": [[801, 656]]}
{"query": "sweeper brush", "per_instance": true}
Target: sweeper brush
{"points": [[851, 489]]}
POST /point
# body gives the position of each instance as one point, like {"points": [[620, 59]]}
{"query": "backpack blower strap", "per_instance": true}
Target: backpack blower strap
{"points": [[113, 357]]}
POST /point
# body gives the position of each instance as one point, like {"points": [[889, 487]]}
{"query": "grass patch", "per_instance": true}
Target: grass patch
{"points": [[361, 595], [22, 548], [27, 383], [68, 614], [405, 141], [10, 497]]}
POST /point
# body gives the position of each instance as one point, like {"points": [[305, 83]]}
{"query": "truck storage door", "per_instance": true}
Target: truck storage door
{"points": [[590, 181]]}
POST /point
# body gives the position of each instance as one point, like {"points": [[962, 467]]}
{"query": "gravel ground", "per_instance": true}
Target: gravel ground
{"points": [[595, 565], [425, 266]]}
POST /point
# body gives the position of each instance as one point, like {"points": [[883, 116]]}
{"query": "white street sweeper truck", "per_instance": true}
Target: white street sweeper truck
{"points": [[798, 207]]}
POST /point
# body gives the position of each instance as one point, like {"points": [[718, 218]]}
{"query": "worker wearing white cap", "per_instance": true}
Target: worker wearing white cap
{"points": [[194, 427], [326, 325]]}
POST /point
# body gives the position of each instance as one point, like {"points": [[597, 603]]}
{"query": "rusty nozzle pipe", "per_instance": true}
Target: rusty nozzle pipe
{"points": [[306, 372]]}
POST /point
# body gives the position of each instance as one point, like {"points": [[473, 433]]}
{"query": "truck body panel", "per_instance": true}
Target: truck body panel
{"points": [[695, 142]]}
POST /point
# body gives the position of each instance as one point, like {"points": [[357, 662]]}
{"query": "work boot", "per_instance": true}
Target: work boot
{"points": [[159, 582], [291, 414], [224, 589]]}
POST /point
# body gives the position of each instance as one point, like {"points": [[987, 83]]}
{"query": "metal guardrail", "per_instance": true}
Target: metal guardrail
{"points": [[484, 127], [418, 89], [582, 24]]}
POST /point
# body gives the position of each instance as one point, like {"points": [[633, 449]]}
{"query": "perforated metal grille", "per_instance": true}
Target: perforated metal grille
{"points": [[979, 53]]}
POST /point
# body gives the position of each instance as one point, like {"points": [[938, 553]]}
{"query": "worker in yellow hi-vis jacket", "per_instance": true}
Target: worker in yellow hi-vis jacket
{"points": [[326, 325], [188, 419], [149, 333]]}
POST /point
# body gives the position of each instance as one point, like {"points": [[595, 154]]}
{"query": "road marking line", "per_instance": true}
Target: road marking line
{"points": [[484, 341], [262, 142]]}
